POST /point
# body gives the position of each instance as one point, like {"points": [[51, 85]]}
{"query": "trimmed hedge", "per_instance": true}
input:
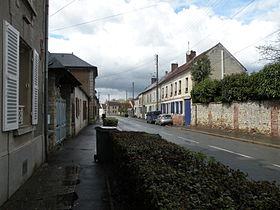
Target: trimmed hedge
{"points": [[156, 174], [110, 121], [263, 85]]}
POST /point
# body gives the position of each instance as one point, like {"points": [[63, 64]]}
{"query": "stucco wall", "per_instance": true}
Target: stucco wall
{"points": [[230, 64], [261, 117], [80, 123], [14, 149]]}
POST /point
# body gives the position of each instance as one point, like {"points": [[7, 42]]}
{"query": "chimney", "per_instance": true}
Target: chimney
{"points": [[190, 56], [174, 66], [153, 80], [166, 72]]}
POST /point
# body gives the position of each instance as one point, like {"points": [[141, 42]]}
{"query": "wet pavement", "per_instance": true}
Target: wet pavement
{"points": [[70, 180]]}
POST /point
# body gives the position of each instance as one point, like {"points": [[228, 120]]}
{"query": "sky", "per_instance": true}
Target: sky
{"points": [[121, 37]]}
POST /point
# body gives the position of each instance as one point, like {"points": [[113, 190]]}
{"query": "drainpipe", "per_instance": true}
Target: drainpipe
{"points": [[46, 79], [222, 64]]}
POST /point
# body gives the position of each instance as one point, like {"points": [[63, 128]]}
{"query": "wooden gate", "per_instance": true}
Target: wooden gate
{"points": [[60, 120]]}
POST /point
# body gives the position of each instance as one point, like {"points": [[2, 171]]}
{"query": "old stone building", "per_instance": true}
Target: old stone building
{"points": [[86, 74]]}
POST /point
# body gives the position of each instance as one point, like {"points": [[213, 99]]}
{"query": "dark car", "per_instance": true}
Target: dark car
{"points": [[152, 116], [164, 119]]}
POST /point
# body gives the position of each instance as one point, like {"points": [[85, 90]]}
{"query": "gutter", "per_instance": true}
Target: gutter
{"points": [[46, 79]]}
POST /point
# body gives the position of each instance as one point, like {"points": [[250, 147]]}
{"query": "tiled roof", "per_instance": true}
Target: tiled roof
{"points": [[60, 60]]}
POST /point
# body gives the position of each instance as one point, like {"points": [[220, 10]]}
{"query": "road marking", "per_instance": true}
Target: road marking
{"points": [[189, 140], [276, 165], [168, 134], [225, 150]]}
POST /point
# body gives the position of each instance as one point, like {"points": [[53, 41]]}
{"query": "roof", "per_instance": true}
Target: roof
{"points": [[67, 60], [150, 87], [113, 103], [187, 66]]}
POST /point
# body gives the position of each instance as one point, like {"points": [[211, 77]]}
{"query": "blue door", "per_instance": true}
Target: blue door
{"points": [[188, 111]]}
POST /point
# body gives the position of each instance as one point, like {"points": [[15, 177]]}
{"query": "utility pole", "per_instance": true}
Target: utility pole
{"points": [[132, 99], [126, 95], [157, 79], [108, 97]]}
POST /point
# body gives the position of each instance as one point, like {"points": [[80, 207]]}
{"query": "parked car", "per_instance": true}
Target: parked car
{"points": [[152, 116], [164, 119]]}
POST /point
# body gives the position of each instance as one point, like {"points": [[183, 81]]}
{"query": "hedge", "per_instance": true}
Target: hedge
{"points": [[263, 85], [156, 174], [110, 121]]}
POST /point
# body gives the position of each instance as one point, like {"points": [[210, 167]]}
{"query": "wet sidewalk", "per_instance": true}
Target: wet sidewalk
{"points": [[70, 180], [254, 138]]}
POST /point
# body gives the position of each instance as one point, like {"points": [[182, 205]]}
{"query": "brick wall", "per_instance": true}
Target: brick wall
{"points": [[83, 76], [260, 117], [178, 120]]}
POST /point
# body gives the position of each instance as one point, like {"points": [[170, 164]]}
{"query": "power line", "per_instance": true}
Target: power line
{"points": [[240, 10], [62, 8], [103, 18], [238, 51], [235, 53]]}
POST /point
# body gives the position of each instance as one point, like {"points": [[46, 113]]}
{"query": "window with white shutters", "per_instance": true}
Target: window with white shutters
{"points": [[35, 88], [10, 77]]}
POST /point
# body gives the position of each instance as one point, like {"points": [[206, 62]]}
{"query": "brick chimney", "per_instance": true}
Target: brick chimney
{"points": [[190, 56], [153, 80], [174, 66]]}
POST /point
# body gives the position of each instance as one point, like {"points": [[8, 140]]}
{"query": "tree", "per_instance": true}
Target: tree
{"points": [[271, 52], [201, 69]]}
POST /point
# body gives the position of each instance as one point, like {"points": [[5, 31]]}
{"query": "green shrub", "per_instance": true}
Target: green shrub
{"points": [[201, 69], [236, 87], [206, 91], [268, 82], [263, 85], [110, 121], [156, 174]]}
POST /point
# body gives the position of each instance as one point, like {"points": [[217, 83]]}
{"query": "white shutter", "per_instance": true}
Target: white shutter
{"points": [[35, 88], [10, 77]]}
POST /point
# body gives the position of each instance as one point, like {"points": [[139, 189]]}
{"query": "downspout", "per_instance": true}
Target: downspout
{"points": [[46, 79], [222, 64]]}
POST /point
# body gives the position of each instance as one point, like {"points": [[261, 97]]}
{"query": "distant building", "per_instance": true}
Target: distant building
{"points": [[175, 86], [118, 107]]}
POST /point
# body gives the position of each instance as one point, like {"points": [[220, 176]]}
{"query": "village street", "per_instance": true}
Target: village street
{"points": [[260, 162]]}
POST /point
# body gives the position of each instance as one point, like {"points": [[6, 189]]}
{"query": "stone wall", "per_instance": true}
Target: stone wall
{"points": [[261, 117]]}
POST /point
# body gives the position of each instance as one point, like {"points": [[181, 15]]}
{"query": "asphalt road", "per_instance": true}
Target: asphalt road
{"points": [[259, 162]]}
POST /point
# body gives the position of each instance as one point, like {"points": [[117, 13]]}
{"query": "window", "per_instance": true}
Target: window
{"points": [[187, 85], [20, 81], [175, 89], [77, 108], [172, 107], [180, 86], [166, 91], [171, 90], [24, 83], [84, 110], [181, 107], [162, 92]]}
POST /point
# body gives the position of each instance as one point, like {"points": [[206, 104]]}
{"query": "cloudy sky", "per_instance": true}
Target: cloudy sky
{"points": [[121, 37]]}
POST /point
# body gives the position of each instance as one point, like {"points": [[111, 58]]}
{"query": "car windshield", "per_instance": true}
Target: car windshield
{"points": [[167, 116]]}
